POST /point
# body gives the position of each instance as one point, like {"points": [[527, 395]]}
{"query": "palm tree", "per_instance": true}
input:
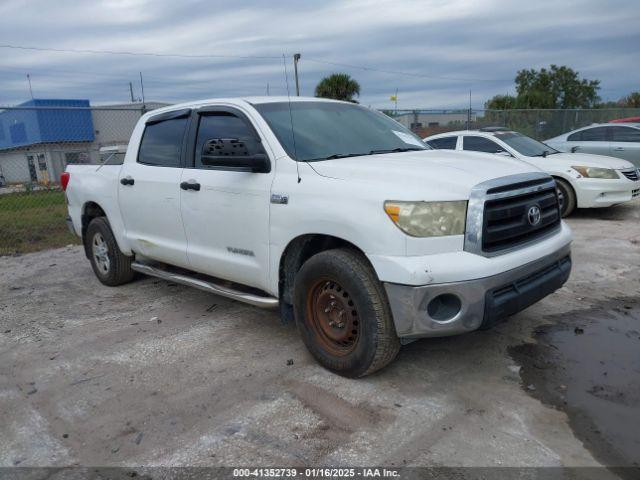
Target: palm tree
{"points": [[338, 86]]}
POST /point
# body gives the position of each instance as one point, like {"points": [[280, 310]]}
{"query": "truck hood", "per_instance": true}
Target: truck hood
{"points": [[449, 174], [589, 160]]}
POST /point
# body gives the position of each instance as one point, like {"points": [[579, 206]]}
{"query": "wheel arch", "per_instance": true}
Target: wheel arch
{"points": [[568, 180], [298, 251], [90, 210], [574, 191]]}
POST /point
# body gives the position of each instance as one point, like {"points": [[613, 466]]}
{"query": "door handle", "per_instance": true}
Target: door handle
{"points": [[127, 181], [190, 186], [619, 149]]}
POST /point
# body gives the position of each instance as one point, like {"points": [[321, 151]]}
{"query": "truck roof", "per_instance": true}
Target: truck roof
{"points": [[252, 100]]}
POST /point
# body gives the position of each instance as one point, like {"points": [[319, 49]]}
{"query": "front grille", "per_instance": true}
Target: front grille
{"points": [[507, 220], [631, 174]]}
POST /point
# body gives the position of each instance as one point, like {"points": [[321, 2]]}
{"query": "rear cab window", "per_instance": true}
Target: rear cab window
{"points": [[162, 142]]}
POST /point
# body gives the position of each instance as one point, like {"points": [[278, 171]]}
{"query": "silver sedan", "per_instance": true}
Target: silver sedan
{"points": [[620, 140]]}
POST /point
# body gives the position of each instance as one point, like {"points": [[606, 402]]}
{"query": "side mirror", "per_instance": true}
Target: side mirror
{"points": [[233, 154], [574, 149], [503, 153]]}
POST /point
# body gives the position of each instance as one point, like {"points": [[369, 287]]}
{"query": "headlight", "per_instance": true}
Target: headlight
{"points": [[595, 172], [428, 219]]}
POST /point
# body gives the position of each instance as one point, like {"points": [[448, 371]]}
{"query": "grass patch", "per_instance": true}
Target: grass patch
{"points": [[33, 221]]}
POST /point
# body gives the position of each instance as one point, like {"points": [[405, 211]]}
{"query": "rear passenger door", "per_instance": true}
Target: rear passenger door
{"points": [[590, 140], [625, 143], [149, 190], [226, 216]]}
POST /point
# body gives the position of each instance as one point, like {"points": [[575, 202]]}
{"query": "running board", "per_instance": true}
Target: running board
{"points": [[251, 299]]}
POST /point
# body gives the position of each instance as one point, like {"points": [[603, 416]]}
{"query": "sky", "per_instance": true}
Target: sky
{"points": [[433, 52]]}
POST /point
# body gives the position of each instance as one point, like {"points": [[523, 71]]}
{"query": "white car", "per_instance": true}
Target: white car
{"points": [[615, 139], [584, 180], [333, 213]]}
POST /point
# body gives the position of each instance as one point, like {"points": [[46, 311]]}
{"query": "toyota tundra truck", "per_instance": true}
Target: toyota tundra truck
{"points": [[331, 212]]}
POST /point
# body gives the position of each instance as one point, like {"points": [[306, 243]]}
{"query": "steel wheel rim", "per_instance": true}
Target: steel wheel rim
{"points": [[333, 317], [100, 252]]}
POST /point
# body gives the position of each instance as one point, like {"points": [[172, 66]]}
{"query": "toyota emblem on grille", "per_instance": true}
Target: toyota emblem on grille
{"points": [[533, 215]]}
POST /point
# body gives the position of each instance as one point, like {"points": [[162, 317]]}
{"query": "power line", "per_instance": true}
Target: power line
{"points": [[396, 72], [137, 54], [254, 57]]}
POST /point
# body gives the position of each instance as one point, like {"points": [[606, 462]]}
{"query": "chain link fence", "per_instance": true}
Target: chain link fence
{"points": [[40, 138], [537, 123], [37, 141]]}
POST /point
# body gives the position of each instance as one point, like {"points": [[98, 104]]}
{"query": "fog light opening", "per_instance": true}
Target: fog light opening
{"points": [[444, 307]]}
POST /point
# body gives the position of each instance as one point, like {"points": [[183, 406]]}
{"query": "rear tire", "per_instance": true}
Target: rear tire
{"points": [[566, 196], [343, 315], [111, 266]]}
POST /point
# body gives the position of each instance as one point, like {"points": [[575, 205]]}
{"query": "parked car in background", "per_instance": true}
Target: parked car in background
{"points": [[620, 140], [112, 154], [583, 180], [333, 213]]}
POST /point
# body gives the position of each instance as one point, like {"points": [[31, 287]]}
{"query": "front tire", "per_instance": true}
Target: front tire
{"points": [[111, 266], [342, 314], [566, 196]]}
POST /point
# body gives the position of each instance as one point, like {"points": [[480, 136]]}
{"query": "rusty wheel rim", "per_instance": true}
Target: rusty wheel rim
{"points": [[333, 317]]}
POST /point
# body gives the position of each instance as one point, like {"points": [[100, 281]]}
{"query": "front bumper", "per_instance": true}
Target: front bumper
{"points": [[482, 302], [596, 192]]}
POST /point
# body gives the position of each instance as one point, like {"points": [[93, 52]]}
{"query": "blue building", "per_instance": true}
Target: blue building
{"points": [[39, 137]]}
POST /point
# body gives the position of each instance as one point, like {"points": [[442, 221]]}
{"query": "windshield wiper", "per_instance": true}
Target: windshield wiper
{"points": [[545, 153], [399, 149], [335, 156], [372, 152]]}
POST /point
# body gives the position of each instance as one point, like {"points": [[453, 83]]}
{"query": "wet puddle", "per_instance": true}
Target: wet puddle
{"points": [[587, 363]]}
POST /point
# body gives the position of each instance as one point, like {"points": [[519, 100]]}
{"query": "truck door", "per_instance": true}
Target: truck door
{"points": [[225, 210], [149, 190]]}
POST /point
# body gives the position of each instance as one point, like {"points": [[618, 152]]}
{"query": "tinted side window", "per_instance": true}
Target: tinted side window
{"points": [[481, 144], [228, 127], [161, 143], [625, 134], [596, 134], [444, 143]]}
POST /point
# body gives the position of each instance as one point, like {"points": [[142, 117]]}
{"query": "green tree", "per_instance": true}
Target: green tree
{"points": [[555, 87], [338, 86], [631, 101], [502, 102]]}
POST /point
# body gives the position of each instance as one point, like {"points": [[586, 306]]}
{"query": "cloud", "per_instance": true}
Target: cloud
{"points": [[450, 46]]}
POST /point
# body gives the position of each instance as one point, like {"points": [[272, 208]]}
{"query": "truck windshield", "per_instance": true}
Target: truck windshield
{"points": [[328, 130], [524, 145]]}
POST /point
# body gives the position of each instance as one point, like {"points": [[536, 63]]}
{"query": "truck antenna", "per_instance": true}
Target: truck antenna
{"points": [[293, 135]]}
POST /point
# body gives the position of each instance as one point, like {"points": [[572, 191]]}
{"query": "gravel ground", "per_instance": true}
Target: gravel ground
{"points": [[153, 373]]}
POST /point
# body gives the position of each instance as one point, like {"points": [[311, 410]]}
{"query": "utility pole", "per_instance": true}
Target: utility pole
{"points": [[296, 59], [469, 113], [131, 92], [142, 89], [30, 90]]}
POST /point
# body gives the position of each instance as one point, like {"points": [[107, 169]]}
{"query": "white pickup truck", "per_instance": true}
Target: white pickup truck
{"points": [[330, 211]]}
